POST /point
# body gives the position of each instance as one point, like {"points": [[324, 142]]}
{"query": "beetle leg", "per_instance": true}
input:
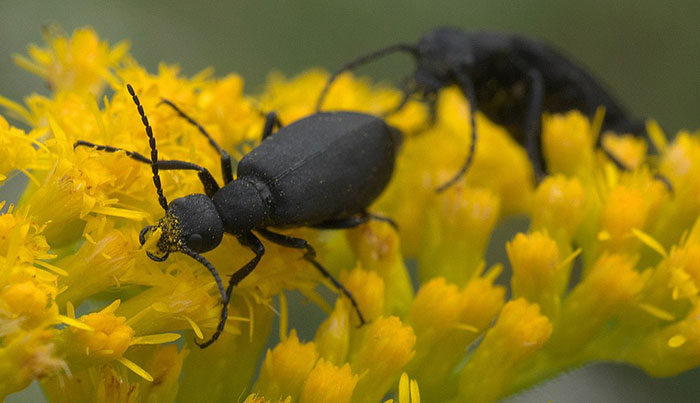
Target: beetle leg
{"points": [[430, 101], [406, 96], [272, 121], [353, 64], [637, 128], [217, 278], [380, 217], [210, 185], [621, 166], [467, 87], [251, 241], [407, 91], [354, 221], [226, 166], [309, 254], [533, 116], [287, 241], [533, 122]]}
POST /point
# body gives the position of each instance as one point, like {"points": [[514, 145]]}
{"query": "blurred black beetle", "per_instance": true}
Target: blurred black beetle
{"points": [[511, 78]]}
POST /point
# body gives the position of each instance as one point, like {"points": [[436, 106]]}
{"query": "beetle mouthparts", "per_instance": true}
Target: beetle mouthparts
{"points": [[142, 234], [163, 245]]}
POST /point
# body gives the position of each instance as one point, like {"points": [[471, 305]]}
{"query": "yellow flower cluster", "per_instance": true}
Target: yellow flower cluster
{"points": [[609, 269]]}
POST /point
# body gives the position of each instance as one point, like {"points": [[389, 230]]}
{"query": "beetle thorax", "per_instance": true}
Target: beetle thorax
{"points": [[243, 205]]}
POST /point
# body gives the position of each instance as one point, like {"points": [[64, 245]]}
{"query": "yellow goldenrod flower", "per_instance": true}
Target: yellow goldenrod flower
{"points": [[567, 145], [25, 357], [630, 150], [688, 261], [680, 164], [447, 250], [500, 165], [328, 383], [446, 320], [79, 64], [559, 207], [537, 273], [104, 336], [17, 150], [165, 365], [286, 369], [294, 99], [24, 299], [670, 349], [672, 288], [71, 243], [386, 347], [625, 208], [377, 247], [108, 336], [368, 289], [108, 383], [226, 369], [518, 333], [28, 314], [333, 336], [608, 289]]}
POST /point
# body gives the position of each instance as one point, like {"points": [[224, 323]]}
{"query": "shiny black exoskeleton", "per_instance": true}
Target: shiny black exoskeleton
{"points": [[321, 171], [511, 78]]}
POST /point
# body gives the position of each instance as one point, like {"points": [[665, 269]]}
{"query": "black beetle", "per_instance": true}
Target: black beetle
{"points": [[321, 171], [511, 78]]}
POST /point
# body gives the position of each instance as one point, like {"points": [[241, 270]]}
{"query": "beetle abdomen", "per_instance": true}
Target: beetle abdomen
{"points": [[568, 84], [327, 165]]}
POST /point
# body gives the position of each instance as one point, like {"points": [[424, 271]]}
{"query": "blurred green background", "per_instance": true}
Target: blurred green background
{"points": [[647, 52]]}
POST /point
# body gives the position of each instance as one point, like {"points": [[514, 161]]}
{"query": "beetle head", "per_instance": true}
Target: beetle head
{"points": [[439, 54], [190, 223]]}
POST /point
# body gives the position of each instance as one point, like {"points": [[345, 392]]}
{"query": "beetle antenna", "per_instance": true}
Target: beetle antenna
{"points": [[154, 151], [399, 47], [201, 259], [224, 299], [467, 88]]}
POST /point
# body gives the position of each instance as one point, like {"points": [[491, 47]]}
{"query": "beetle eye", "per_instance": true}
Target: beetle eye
{"points": [[194, 241]]}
